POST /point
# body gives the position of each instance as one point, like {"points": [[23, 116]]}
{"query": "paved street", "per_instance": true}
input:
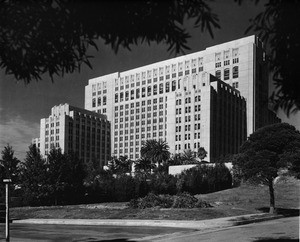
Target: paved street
{"points": [[38, 232], [286, 229]]}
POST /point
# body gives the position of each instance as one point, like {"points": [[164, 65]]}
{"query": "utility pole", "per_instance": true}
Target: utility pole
{"points": [[7, 182]]}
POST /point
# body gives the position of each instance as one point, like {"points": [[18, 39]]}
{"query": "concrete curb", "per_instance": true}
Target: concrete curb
{"points": [[189, 224], [257, 220]]}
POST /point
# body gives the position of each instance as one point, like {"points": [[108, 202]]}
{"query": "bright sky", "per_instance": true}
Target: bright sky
{"points": [[22, 106]]}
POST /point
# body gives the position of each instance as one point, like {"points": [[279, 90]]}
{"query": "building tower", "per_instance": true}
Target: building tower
{"points": [[142, 103], [76, 130]]}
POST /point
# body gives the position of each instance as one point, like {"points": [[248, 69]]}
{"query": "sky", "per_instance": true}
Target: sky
{"points": [[22, 106]]}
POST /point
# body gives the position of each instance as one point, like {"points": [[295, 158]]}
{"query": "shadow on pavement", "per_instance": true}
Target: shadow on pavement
{"points": [[283, 239], [108, 240], [286, 212]]}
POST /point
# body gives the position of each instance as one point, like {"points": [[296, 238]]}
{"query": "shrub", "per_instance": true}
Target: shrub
{"points": [[204, 179], [183, 200]]}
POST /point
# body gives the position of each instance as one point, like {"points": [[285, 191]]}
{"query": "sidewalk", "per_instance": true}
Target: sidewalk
{"points": [[199, 225]]}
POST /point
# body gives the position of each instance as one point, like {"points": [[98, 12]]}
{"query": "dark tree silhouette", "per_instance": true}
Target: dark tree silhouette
{"points": [[155, 151], [265, 152], [9, 164], [34, 178], [202, 153], [53, 36], [278, 26]]}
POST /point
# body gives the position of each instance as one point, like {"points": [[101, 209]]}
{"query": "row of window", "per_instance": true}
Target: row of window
{"points": [[100, 100], [163, 71], [235, 73], [138, 93], [187, 146]]}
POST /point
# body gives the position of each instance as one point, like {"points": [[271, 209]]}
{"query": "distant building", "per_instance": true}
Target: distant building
{"points": [[141, 102], [78, 130], [36, 142]]}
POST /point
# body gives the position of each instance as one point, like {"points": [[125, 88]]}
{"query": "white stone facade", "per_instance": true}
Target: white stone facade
{"points": [[74, 129], [141, 103]]}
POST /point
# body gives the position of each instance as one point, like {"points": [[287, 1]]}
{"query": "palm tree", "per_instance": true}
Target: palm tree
{"points": [[155, 151], [143, 165], [188, 157]]}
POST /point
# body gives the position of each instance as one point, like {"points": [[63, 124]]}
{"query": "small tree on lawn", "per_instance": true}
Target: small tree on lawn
{"points": [[202, 153], [34, 177], [9, 164], [266, 151]]}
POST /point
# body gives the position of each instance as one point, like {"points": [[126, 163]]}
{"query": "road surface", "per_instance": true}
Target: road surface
{"points": [[51, 233], [285, 229]]}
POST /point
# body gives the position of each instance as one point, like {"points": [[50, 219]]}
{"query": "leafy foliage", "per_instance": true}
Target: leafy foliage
{"points": [[120, 165], [183, 200], [9, 164], [143, 165], [202, 153], [155, 151], [278, 25], [32, 44], [265, 152], [34, 178], [204, 179], [188, 157], [56, 181]]}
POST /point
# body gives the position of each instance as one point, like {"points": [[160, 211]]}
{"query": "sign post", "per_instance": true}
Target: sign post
{"points": [[7, 182]]}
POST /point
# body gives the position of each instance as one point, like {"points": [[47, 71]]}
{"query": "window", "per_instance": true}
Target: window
{"points": [[161, 88], [116, 97], [235, 85], [143, 92], [226, 62], [126, 95], [154, 89], [99, 101], [104, 100], [218, 64], [94, 102], [149, 91], [218, 74], [173, 86], [132, 94], [235, 72], [137, 93], [167, 87], [226, 74]]}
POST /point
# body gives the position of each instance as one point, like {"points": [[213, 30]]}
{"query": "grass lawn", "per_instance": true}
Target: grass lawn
{"points": [[245, 199]]}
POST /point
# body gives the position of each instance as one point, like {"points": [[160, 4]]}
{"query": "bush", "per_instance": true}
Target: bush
{"points": [[183, 200], [205, 179]]}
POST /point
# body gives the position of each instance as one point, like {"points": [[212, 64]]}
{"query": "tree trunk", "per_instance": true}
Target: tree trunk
{"points": [[272, 197]]}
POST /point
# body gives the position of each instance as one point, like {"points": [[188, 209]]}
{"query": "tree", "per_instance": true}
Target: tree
{"points": [[143, 165], [202, 153], [75, 175], [188, 157], [9, 164], [57, 173], [155, 151], [34, 178], [265, 153], [32, 44], [278, 26], [120, 165], [175, 159]]}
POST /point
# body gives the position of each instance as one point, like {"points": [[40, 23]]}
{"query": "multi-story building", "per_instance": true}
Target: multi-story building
{"points": [[36, 142], [78, 130], [141, 103]]}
